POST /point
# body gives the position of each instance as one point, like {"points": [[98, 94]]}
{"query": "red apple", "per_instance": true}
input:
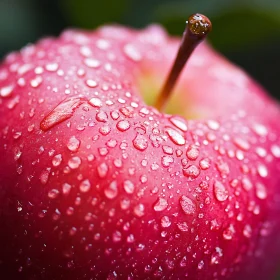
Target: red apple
{"points": [[96, 184]]}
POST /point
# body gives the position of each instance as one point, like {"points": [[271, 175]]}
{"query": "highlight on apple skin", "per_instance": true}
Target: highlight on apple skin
{"points": [[96, 183]]}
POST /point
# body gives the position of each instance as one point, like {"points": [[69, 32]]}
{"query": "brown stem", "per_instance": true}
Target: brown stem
{"points": [[197, 28]]}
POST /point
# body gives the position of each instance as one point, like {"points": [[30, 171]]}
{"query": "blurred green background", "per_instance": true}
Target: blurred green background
{"points": [[246, 31]]}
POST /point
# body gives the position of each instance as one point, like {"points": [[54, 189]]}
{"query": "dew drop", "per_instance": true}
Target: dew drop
{"points": [[102, 170], [165, 222], [204, 163], [57, 159], [74, 162], [85, 186], [247, 231], [241, 144], [61, 112], [214, 125], [140, 142], [262, 170], [220, 191], [229, 232], [183, 226], [112, 190], [275, 150], [179, 123], [53, 193], [139, 210], [95, 102], [66, 188], [166, 161], [187, 205], [175, 136], [91, 83], [167, 150], [92, 63], [36, 81], [192, 152], [132, 53], [160, 205], [44, 177], [52, 67], [128, 186], [216, 256], [6, 91], [123, 125], [73, 144], [260, 129], [191, 172], [246, 184], [261, 192], [117, 236]]}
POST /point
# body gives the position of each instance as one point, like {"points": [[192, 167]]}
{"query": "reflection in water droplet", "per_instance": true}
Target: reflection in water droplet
{"points": [[192, 152], [139, 210], [123, 125], [102, 170], [74, 162], [191, 172], [179, 123], [128, 186], [111, 191], [131, 52]]}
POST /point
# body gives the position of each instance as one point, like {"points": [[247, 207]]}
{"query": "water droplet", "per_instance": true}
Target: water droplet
{"points": [[51, 67], [53, 193], [6, 91], [261, 192], [117, 236], [179, 123], [204, 163], [247, 231], [192, 152], [260, 129], [183, 226], [216, 256], [36, 81], [214, 125], [73, 144], [139, 210], [246, 184], [132, 53], [61, 112], [165, 222], [95, 102], [167, 150], [74, 162], [102, 170], [200, 265], [92, 63], [275, 150], [166, 161], [57, 159], [105, 130], [175, 136], [228, 233], [191, 172], [101, 116], [241, 144], [112, 190], [140, 142], [44, 177], [187, 205], [123, 125], [262, 170], [160, 205], [128, 186], [66, 188], [85, 186], [91, 83], [220, 191]]}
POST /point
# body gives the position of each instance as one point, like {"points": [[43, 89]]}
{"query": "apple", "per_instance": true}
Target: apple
{"points": [[103, 175]]}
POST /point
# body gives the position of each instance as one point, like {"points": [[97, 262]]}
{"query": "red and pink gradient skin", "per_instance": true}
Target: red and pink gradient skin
{"points": [[95, 184]]}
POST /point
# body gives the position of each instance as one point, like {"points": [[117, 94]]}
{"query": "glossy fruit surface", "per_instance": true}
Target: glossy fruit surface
{"points": [[95, 184]]}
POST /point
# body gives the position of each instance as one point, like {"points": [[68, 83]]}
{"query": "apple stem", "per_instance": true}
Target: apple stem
{"points": [[197, 28]]}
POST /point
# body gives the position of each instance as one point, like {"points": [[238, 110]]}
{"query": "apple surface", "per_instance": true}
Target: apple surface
{"points": [[96, 183]]}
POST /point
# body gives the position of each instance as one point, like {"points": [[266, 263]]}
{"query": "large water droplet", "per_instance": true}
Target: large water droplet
{"points": [[192, 152], [165, 222], [102, 170], [132, 53], [6, 91], [61, 112], [261, 192], [139, 210], [74, 162], [57, 159], [179, 123], [191, 172]]}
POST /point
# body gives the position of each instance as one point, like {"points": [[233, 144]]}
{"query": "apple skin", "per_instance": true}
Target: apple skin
{"points": [[95, 184]]}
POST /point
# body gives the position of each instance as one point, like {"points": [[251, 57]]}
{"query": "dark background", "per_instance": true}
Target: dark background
{"points": [[245, 31]]}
